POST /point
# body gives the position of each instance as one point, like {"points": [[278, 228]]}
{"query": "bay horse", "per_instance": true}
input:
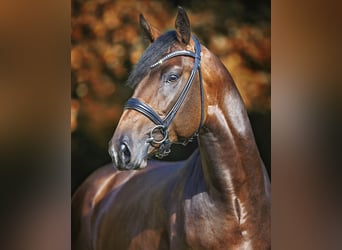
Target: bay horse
{"points": [[219, 198]]}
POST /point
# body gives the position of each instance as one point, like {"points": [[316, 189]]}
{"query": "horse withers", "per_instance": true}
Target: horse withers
{"points": [[219, 198]]}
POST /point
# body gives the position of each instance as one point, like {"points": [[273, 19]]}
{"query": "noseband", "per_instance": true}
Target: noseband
{"points": [[162, 124]]}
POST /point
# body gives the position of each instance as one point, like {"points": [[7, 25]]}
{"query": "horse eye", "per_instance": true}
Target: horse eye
{"points": [[172, 78]]}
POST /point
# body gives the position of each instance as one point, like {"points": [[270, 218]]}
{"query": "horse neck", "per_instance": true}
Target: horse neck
{"points": [[230, 159]]}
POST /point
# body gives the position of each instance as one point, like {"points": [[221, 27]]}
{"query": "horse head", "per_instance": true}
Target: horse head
{"points": [[167, 105]]}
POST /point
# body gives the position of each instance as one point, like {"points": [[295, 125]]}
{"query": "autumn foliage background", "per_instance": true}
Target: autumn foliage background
{"points": [[106, 43]]}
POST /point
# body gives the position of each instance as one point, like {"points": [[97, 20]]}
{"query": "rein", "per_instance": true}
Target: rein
{"points": [[162, 124]]}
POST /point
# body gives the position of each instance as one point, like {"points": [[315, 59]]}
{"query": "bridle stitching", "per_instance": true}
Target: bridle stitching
{"points": [[173, 54]]}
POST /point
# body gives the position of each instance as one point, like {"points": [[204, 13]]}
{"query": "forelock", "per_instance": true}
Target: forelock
{"points": [[152, 54]]}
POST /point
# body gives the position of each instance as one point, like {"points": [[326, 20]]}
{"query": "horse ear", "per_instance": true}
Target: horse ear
{"points": [[150, 32], [182, 25]]}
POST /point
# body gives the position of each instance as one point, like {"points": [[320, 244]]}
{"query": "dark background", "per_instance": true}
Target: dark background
{"points": [[106, 43]]}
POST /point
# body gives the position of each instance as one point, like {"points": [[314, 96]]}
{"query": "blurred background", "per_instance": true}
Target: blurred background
{"points": [[106, 42]]}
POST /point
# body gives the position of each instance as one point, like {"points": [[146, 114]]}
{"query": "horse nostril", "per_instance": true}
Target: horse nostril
{"points": [[125, 153]]}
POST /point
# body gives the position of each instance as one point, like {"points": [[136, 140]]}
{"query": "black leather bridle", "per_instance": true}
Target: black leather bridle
{"points": [[162, 124]]}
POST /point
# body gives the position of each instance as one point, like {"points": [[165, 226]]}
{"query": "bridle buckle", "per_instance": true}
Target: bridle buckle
{"points": [[164, 145], [159, 128]]}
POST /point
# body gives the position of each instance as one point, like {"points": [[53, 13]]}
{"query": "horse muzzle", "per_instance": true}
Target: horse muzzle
{"points": [[123, 155]]}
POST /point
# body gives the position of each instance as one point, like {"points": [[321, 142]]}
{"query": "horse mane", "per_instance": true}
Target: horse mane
{"points": [[151, 55]]}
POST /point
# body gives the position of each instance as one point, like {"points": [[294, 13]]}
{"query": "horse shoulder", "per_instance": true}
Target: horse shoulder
{"points": [[85, 199], [134, 212]]}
